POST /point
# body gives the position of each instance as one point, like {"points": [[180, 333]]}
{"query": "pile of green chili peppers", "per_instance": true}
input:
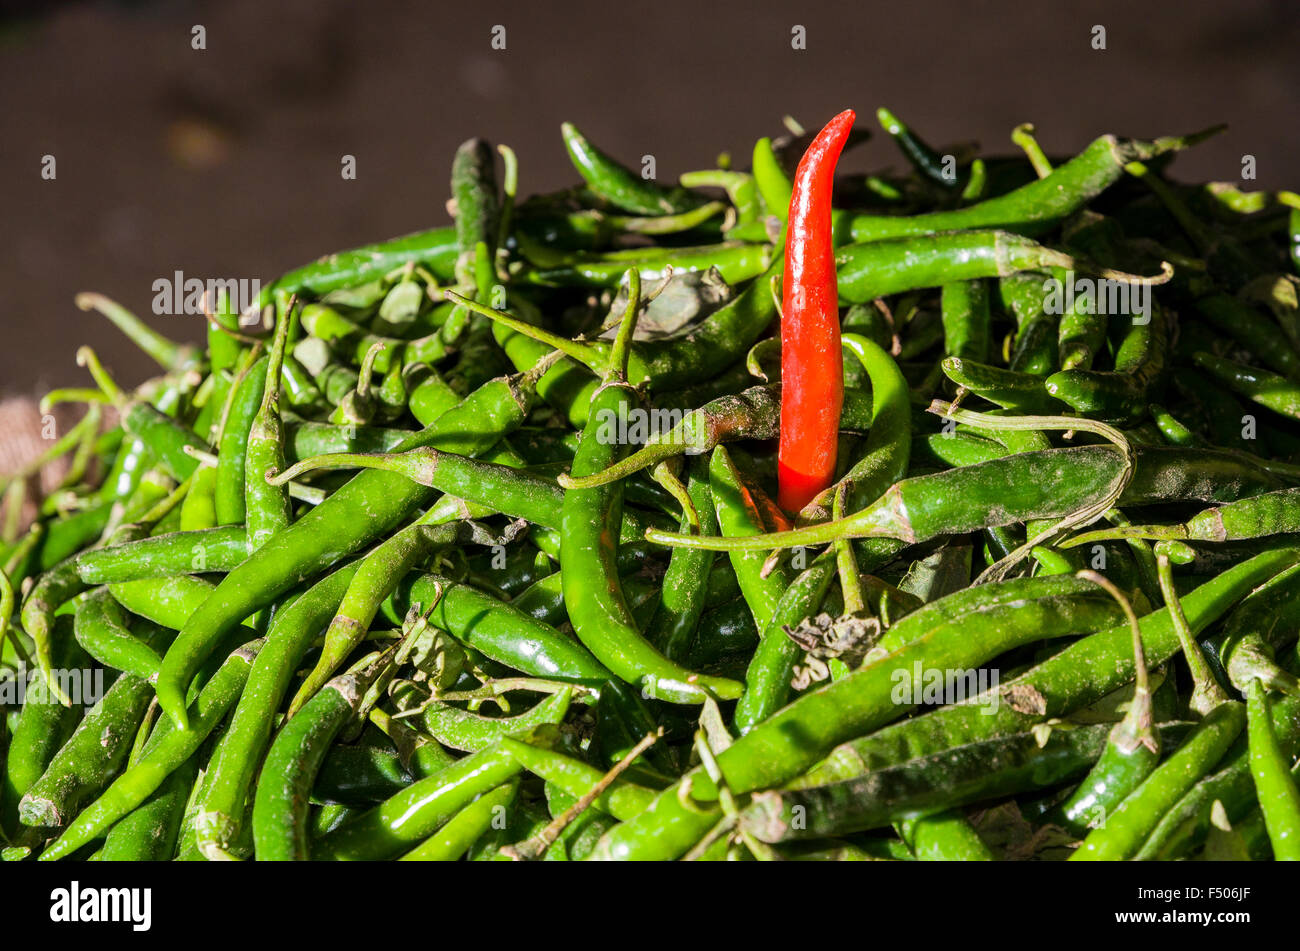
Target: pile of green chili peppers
{"points": [[463, 545]]}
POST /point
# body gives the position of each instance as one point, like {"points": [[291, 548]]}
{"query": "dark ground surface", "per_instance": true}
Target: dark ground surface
{"points": [[225, 162]]}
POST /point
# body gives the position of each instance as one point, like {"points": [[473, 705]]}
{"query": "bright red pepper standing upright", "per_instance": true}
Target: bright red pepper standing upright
{"points": [[812, 365]]}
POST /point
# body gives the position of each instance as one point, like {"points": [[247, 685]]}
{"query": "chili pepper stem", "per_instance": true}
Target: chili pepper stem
{"points": [[416, 464], [846, 563], [584, 353], [271, 392], [650, 454], [509, 186], [86, 357], [1206, 692], [167, 353], [1137, 727], [1023, 136], [883, 519], [622, 347], [664, 475], [71, 394]]}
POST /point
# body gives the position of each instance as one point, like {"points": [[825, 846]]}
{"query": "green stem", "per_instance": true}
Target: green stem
{"points": [[1206, 692], [166, 353], [622, 349], [1139, 712], [846, 563], [71, 394], [86, 357], [584, 353], [411, 463], [1023, 136], [509, 187]]}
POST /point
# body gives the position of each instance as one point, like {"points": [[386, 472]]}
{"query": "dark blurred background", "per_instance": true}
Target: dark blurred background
{"points": [[225, 162]]}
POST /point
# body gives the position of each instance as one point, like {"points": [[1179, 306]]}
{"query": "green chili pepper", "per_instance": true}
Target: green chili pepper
{"points": [[100, 627], [149, 832], [988, 769], [922, 156], [767, 680], [599, 613], [233, 765], [166, 751], [966, 318], [888, 448], [622, 799], [211, 549], [411, 815], [294, 759], [1131, 753], [945, 837], [618, 185], [459, 730], [435, 248], [773, 184], [91, 757], [1260, 386], [455, 838], [685, 583], [1033, 207], [43, 725], [266, 506], [894, 265], [1270, 769], [1127, 827], [926, 506], [230, 484]]}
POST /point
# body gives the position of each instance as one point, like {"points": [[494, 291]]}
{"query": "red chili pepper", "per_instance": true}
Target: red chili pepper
{"points": [[812, 365]]}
